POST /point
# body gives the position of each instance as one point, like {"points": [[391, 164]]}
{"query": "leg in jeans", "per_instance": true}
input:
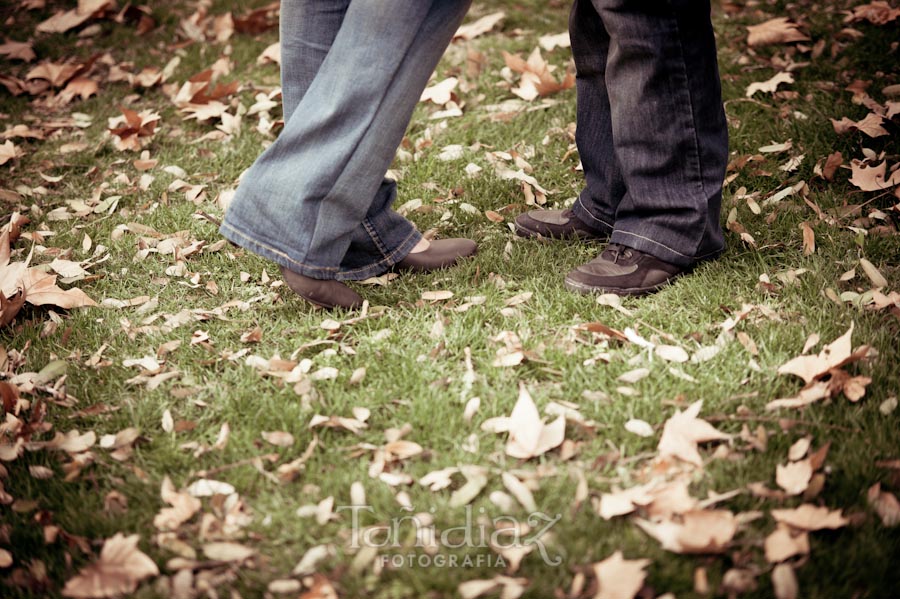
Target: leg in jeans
{"points": [[315, 201], [604, 187], [651, 127]]}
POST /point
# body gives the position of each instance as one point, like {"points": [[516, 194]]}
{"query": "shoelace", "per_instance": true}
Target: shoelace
{"points": [[617, 251]]}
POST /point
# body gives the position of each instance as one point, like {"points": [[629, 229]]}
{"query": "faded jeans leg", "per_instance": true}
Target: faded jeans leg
{"points": [[316, 200]]}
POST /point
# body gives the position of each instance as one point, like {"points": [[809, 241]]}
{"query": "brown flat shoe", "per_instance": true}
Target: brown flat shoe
{"points": [[440, 254], [324, 293]]}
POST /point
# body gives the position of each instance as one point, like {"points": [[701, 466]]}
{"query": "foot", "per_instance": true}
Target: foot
{"points": [[623, 271], [324, 293], [440, 253], [555, 224]]}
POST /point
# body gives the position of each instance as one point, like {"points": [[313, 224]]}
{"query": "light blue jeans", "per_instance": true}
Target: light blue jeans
{"points": [[316, 201], [651, 129]]}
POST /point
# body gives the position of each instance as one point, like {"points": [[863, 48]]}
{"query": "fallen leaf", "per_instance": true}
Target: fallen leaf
{"points": [[518, 490], [885, 505], [536, 79], [786, 542], [528, 435], [774, 31], [699, 531], [117, 572], [184, 506], [641, 428], [683, 431], [619, 578], [278, 438], [620, 503], [9, 151], [784, 582], [794, 477], [769, 86], [873, 273], [873, 178], [228, 552], [832, 355], [810, 517], [440, 93], [479, 27]]}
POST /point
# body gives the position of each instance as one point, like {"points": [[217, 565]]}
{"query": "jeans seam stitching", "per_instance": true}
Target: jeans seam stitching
{"points": [[674, 251], [374, 236], [696, 139], [588, 212]]}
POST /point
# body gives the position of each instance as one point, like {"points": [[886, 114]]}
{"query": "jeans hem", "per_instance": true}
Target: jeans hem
{"points": [[661, 250], [336, 273]]}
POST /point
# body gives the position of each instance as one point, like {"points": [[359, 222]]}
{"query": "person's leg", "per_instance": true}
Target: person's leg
{"points": [[604, 187], [307, 29], [302, 202], [668, 124], [671, 142], [593, 214]]}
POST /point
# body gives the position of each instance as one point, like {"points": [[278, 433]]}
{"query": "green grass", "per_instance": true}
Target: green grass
{"points": [[418, 379]]}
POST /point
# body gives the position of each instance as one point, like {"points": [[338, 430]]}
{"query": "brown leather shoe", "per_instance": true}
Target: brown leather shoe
{"points": [[324, 293], [440, 254], [555, 224], [624, 271]]}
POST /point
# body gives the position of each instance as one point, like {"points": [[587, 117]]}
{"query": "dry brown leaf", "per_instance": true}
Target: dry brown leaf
{"points": [[620, 503], [440, 93], [809, 239], [784, 582], [683, 431], [184, 506], [699, 531], [228, 552], [479, 27], [619, 578], [133, 130], [436, 296], [278, 438], [873, 273], [873, 178], [810, 517], [40, 287], [786, 542], [536, 79], [9, 151], [351, 424], [885, 505], [476, 481], [14, 50], [870, 125], [57, 74], [877, 12], [769, 86], [794, 477], [528, 435], [833, 355], [774, 31], [117, 572]]}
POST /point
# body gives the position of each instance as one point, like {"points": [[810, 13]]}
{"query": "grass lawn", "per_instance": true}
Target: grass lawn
{"points": [[258, 446]]}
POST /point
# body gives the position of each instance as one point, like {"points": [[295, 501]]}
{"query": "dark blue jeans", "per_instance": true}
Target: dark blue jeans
{"points": [[651, 129]]}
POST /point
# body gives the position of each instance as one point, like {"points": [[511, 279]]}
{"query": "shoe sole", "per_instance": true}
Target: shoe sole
{"points": [[632, 291]]}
